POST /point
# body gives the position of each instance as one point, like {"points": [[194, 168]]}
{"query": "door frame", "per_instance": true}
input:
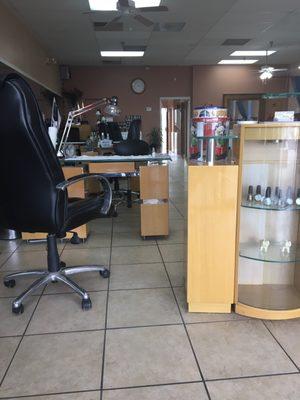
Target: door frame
{"points": [[188, 116]]}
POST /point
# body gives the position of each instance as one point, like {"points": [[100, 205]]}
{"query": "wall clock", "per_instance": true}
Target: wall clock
{"points": [[138, 86]]}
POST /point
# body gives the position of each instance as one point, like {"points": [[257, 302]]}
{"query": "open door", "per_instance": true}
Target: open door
{"points": [[175, 124]]}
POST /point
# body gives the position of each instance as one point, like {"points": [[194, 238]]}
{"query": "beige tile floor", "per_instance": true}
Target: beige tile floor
{"points": [[138, 342]]}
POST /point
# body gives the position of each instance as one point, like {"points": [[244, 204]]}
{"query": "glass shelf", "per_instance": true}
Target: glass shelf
{"points": [[258, 206], [273, 255], [270, 297], [225, 137]]}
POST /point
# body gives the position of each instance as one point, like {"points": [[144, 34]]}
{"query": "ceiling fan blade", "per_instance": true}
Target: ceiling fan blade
{"points": [[113, 21], [153, 9], [143, 20], [108, 27]]}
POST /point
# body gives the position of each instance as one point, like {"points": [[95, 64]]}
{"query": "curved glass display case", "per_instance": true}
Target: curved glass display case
{"points": [[268, 255]]}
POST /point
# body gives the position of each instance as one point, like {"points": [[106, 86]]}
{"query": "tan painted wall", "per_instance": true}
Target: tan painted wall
{"points": [[96, 82], [204, 84], [38, 91], [211, 82], [21, 51]]}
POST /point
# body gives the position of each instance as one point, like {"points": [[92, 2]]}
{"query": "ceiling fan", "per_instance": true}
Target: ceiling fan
{"points": [[266, 71], [127, 7]]}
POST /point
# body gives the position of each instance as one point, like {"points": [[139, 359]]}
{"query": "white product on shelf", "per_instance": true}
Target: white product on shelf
{"points": [[105, 143]]}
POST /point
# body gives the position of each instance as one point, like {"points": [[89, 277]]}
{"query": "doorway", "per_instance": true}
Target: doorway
{"points": [[175, 114]]}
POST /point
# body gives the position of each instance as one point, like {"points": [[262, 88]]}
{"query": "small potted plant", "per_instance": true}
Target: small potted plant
{"points": [[155, 139]]}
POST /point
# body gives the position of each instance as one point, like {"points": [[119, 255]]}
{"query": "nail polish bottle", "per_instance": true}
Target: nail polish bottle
{"points": [[275, 197], [267, 199], [281, 202], [298, 198], [250, 194], [258, 196], [289, 196]]}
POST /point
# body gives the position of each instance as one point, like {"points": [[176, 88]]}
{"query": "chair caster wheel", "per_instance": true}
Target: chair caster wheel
{"points": [[86, 304], [75, 239], [105, 273], [10, 284], [18, 310]]}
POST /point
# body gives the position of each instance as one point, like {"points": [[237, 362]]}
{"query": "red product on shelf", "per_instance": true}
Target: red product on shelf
{"points": [[211, 121]]}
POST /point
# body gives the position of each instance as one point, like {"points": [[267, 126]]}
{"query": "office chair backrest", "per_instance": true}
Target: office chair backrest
{"points": [[103, 128], [29, 168], [114, 131], [134, 130]]}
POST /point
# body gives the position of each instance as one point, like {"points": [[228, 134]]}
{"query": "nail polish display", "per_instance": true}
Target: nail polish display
{"points": [[281, 198]]}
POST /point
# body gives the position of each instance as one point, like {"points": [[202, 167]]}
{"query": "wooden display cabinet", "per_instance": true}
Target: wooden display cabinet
{"points": [[154, 195], [212, 212], [268, 274]]}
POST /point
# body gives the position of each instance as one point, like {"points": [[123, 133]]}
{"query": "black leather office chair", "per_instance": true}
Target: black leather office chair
{"points": [[114, 131], [34, 195], [134, 130], [132, 146]]}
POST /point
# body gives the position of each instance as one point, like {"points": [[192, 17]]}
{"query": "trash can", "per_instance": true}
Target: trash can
{"points": [[9, 234]]}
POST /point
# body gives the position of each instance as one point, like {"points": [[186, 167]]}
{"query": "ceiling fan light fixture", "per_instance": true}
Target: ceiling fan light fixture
{"points": [[103, 5], [265, 75]]}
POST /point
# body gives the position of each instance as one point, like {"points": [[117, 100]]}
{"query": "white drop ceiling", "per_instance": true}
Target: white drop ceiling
{"points": [[65, 27]]}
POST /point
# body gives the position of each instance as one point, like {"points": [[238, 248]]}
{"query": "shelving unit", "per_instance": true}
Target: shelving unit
{"points": [[268, 282]]}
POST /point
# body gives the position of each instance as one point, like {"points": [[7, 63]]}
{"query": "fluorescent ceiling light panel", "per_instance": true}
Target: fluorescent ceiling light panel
{"points": [[237, 61], [103, 5], [122, 53], [252, 53], [147, 3], [111, 5]]}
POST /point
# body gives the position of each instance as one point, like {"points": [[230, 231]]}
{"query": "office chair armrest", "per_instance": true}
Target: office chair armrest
{"points": [[102, 179]]}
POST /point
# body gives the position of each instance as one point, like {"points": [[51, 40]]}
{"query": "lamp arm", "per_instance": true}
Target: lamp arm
{"points": [[73, 114]]}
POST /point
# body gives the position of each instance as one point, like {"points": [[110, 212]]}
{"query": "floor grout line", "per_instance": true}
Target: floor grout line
{"points": [[106, 316], [21, 340], [100, 290], [49, 394], [119, 328], [174, 205], [234, 378], [280, 345], [186, 331]]}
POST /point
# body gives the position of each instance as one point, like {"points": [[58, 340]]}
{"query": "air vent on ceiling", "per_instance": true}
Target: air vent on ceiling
{"points": [[111, 62], [235, 42], [105, 27], [169, 27]]}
